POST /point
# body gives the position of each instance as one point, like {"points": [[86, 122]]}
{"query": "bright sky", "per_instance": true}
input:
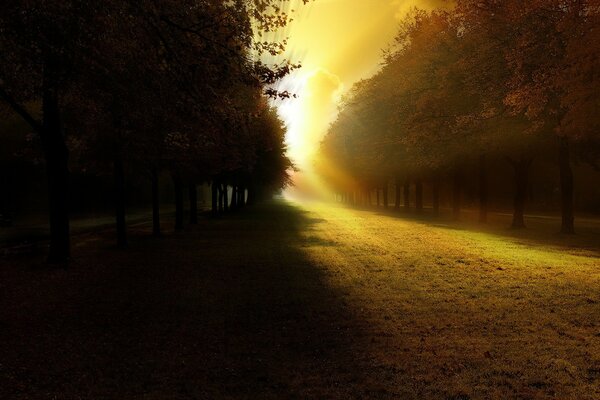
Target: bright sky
{"points": [[338, 42]]}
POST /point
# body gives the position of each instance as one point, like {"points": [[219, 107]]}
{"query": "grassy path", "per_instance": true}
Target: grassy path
{"points": [[462, 314], [304, 301]]}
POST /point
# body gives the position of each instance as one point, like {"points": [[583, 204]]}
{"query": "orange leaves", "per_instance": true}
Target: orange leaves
{"points": [[489, 73]]}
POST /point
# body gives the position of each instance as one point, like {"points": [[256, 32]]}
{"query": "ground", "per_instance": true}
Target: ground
{"points": [[297, 301]]}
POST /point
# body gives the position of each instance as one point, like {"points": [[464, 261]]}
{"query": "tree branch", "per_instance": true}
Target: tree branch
{"points": [[20, 110]]}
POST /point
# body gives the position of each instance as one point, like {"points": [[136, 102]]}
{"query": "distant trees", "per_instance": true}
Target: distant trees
{"points": [[486, 79], [153, 85]]}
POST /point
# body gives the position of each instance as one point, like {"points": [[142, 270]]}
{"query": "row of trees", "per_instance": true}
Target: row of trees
{"points": [[487, 79], [143, 86]]}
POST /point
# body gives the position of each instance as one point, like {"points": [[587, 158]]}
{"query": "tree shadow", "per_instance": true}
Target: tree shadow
{"points": [[542, 230], [231, 308]]}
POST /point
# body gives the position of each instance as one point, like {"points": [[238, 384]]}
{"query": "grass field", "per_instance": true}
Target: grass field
{"points": [[295, 301]]}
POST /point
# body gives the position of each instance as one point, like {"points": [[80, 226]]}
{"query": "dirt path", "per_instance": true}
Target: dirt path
{"points": [[304, 301]]}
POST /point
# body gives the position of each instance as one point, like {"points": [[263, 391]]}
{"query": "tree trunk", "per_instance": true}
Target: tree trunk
{"points": [[178, 183], [214, 199], [251, 195], [566, 188], [155, 203], [5, 202], [119, 180], [56, 156], [436, 196], [221, 197], [398, 195], [378, 200], [234, 197], [521, 168], [193, 197], [483, 189], [419, 196], [225, 198], [407, 195], [456, 193], [241, 193], [385, 196], [369, 200]]}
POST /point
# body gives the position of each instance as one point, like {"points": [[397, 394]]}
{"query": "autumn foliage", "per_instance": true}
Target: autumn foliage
{"points": [[507, 80], [147, 86]]}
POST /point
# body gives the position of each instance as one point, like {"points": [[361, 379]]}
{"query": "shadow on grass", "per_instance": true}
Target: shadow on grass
{"points": [[228, 309], [541, 230]]}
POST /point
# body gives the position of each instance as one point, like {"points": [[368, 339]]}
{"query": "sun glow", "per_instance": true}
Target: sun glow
{"points": [[307, 118], [338, 42], [291, 113]]}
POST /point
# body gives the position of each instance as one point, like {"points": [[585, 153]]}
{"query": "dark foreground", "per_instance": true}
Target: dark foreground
{"points": [[285, 302], [228, 309]]}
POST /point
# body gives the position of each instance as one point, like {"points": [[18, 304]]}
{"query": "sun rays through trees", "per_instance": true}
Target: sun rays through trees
{"points": [[462, 91]]}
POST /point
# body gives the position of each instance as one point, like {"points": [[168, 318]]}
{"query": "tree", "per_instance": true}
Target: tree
{"points": [[196, 56], [43, 46], [485, 79]]}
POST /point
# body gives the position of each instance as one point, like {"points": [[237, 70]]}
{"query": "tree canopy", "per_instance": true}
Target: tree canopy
{"points": [[486, 78], [154, 84]]}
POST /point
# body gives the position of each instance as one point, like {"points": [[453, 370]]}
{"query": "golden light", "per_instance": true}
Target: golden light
{"points": [[338, 43]]}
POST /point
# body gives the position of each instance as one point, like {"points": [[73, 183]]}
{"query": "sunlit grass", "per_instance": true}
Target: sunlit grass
{"points": [[462, 312], [308, 300]]}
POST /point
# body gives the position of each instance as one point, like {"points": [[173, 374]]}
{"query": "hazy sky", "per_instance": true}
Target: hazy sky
{"points": [[338, 42]]}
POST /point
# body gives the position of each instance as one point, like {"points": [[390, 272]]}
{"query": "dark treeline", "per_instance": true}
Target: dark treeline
{"points": [[468, 97], [113, 95]]}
